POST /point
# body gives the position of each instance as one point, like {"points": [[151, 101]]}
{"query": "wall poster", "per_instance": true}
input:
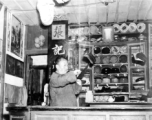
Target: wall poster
{"points": [[17, 37]]}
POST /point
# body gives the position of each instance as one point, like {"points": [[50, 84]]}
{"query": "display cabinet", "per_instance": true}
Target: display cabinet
{"points": [[138, 67], [87, 79]]}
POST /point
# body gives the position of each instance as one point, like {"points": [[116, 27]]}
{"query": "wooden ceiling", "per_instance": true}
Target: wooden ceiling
{"points": [[80, 11]]}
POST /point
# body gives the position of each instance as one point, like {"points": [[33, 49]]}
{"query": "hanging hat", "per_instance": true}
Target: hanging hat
{"points": [[90, 59], [46, 11], [141, 56]]}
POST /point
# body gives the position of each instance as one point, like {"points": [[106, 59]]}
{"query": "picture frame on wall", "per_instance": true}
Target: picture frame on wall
{"points": [[1, 56], [16, 37], [59, 30], [14, 66], [8, 33]]}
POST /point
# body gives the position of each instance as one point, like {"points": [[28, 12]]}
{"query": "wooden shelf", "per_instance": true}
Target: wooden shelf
{"points": [[113, 93]]}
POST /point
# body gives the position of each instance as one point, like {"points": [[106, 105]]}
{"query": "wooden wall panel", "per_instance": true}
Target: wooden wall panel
{"points": [[128, 117], [14, 94], [89, 117]]}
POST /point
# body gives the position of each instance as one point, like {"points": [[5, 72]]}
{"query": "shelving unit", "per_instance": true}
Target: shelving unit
{"points": [[124, 85]]}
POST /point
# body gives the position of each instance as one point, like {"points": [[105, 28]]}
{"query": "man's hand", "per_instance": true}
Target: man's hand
{"points": [[79, 82], [77, 72]]}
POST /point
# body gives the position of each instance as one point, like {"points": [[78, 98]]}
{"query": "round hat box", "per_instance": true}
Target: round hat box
{"points": [[123, 58]]}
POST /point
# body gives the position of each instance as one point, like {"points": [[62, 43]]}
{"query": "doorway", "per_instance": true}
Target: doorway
{"points": [[37, 78]]}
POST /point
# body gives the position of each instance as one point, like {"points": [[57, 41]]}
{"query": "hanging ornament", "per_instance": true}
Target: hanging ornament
{"points": [[46, 11], [62, 1]]}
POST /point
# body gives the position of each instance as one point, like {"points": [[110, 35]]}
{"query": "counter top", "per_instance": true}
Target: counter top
{"points": [[93, 107]]}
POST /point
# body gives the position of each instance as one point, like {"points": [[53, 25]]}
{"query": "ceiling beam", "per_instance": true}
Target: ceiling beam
{"points": [[149, 9], [128, 10], [21, 10], [29, 1], [107, 9], [117, 11], [137, 15]]}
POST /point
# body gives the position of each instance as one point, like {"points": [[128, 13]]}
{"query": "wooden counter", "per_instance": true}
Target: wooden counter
{"points": [[99, 111]]}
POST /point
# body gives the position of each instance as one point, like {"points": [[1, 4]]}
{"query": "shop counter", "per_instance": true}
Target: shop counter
{"points": [[96, 111]]}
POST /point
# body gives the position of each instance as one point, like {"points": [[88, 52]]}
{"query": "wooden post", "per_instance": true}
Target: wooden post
{"points": [[3, 63]]}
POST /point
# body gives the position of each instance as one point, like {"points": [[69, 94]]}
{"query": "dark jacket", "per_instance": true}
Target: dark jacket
{"points": [[63, 89]]}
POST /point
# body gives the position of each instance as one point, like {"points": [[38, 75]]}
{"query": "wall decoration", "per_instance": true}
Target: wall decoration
{"points": [[14, 67], [8, 33], [0, 57], [22, 41], [59, 30], [10, 65], [39, 41], [16, 37]]}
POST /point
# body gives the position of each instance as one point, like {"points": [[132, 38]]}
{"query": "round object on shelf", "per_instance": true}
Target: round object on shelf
{"points": [[124, 28], [124, 38], [98, 60], [123, 69], [115, 70], [86, 31], [141, 27], [106, 70], [116, 28], [114, 80], [105, 60], [114, 59], [96, 50], [105, 50], [132, 27], [123, 58], [123, 49], [115, 50], [97, 69], [138, 70], [106, 80], [142, 37], [100, 30], [93, 40], [94, 29], [98, 80], [123, 80], [116, 38]]}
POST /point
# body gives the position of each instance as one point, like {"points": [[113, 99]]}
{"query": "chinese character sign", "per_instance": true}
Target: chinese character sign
{"points": [[58, 31], [58, 50]]}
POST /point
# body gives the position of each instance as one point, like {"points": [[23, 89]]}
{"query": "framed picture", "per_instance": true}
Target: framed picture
{"points": [[0, 57], [14, 66], [59, 30], [8, 33], [16, 37]]}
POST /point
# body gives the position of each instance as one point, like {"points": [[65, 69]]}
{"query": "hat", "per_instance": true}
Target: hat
{"points": [[46, 11], [97, 69], [89, 58], [141, 56]]}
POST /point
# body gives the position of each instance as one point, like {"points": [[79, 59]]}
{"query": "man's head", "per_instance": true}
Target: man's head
{"points": [[61, 65]]}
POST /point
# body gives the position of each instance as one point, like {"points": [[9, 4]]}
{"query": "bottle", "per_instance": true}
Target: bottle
{"points": [[89, 96]]}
